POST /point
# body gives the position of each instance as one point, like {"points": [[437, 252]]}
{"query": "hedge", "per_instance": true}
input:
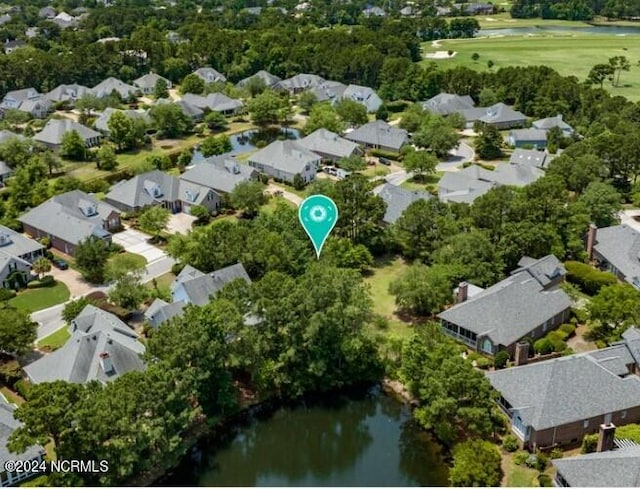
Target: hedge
{"points": [[589, 443], [501, 359], [6, 294], [23, 387], [385, 154], [588, 278], [568, 329], [46, 281], [510, 443]]}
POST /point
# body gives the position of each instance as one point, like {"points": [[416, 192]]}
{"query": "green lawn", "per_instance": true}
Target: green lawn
{"points": [[128, 260], [31, 300], [163, 280], [568, 53], [504, 20], [376, 171], [273, 204], [10, 396], [55, 340], [383, 302]]}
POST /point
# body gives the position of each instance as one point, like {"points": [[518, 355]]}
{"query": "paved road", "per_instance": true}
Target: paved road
{"points": [[459, 156]]}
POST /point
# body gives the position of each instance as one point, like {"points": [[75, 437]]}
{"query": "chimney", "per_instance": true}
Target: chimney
{"points": [[463, 291], [559, 116], [522, 353], [106, 363], [591, 239], [606, 437]]}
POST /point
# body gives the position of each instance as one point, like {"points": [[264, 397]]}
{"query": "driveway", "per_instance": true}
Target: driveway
{"points": [[459, 156], [291, 197], [73, 280], [180, 223], [134, 241], [627, 217]]}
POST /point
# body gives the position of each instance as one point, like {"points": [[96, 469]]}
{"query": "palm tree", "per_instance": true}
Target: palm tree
{"points": [[41, 266]]}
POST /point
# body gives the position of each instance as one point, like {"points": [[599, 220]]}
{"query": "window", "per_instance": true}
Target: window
{"points": [[623, 414], [585, 425]]}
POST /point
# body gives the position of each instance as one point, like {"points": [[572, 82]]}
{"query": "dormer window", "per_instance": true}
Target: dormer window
{"points": [[5, 239], [191, 196], [88, 208], [153, 189]]}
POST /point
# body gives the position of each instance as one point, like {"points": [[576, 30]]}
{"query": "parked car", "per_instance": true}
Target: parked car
{"points": [[384, 161], [60, 263]]}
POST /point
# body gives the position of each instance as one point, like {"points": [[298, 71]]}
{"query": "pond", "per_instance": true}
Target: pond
{"points": [[254, 138], [541, 29], [361, 439]]}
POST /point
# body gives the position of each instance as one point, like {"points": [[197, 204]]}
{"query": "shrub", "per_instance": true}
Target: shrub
{"points": [[501, 359], [6, 294], [384, 154], [46, 281], [396, 106], [10, 372], [510, 443], [115, 248], [556, 338], [589, 444], [545, 481], [23, 387], [177, 267], [587, 278], [556, 453], [520, 457], [568, 329], [531, 461], [543, 346], [542, 460], [483, 363], [74, 308]]}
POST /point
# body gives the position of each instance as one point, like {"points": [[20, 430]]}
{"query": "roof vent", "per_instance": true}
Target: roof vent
{"points": [[5, 239]]}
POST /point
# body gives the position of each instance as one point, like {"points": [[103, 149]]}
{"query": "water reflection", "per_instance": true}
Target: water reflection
{"points": [[254, 138]]}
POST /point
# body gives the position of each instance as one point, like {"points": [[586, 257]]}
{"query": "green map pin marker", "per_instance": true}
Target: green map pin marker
{"points": [[318, 215]]}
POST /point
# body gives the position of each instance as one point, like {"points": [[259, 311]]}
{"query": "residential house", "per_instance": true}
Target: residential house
{"points": [[15, 98], [67, 93], [161, 311], [558, 402], [32, 455], [282, 160], [448, 103], [532, 138], [65, 21], [374, 12], [101, 348], [363, 95], [4, 19], [329, 145], [69, 218], [209, 75], [47, 12], [528, 303], [475, 8], [194, 113], [379, 135], [614, 466], [219, 173], [549, 123], [5, 172], [299, 83], [499, 115], [151, 188], [17, 253], [109, 85], [102, 122], [252, 10], [147, 83], [52, 133], [6, 135], [191, 286], [530, 157], [329, 91], [468, 184], [31, 32], [267, 78], [38, 109], [616, 249], [397, 200], [10, 46], [216, 102]]}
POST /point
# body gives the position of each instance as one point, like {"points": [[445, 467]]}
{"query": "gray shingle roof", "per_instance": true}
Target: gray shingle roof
{"points": [[379, 133], [17, 244], [53, 132], [95, 332], [510, 309], [614, 468], [160, 311], [551, 122], [545, 270], [102, 122], [448, 103], [398, 199], [529, 135], [620, 246], [329, 143], [363, 95], [566, 389], [149, 81], [222, 174], [263, 75], [189, 109], [8, 424], [210, 75], [22, 94], [136, 192], [496, 114], [287, 156], [200, 287], [105, 87], [302, 81], [6, 135], [61, 216], [67, 92], [532, 157]]}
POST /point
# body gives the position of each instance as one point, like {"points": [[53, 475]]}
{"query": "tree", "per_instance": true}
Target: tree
{"points": [[352, 163], [121, 129], [106, 158], [248, 196], [421, 290], [382, 114], [323, 116], [17, 331], [201, 213], [161, 89], [73, 146], [342, 253], [435, 134], [15, 152], [154, 220], [489, 143], [192, 83], [73, 308], [476, 463], [612, 310], [352, 112], [215, 145], [41, 266], [421, 163], [50, 159], [490, 64], [475, 56], [601, 73], [216, 121], [124, 264], [619, 64], [454, 399], [170, 120], [128, 292], [602, 201], [159, 161], [265, 108], [307, 100], [91, 257]]}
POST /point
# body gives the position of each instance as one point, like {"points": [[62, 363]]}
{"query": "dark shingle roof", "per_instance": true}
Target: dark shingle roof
{"points": [[614, 468], [8, 424], [137, 192], [200, 287], [398, 199], [620, 246], [379, 133]]}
